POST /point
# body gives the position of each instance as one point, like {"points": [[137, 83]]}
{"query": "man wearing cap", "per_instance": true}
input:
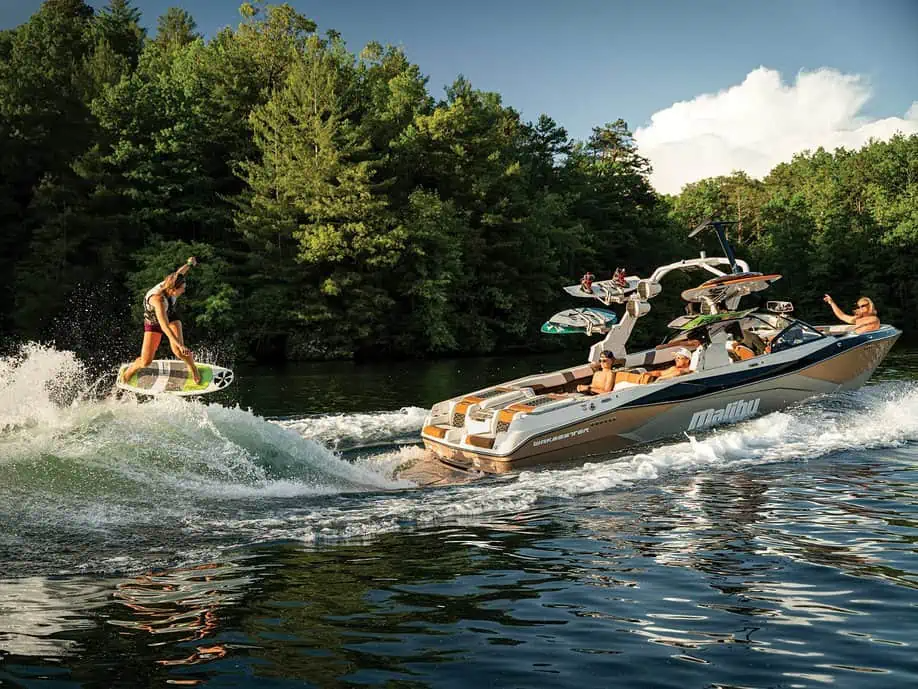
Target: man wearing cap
{"points": [[681, 365], [603, 379]]}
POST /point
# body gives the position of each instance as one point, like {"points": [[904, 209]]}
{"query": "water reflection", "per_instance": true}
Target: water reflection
{"points": [[181, 602], [180, 614], [166, 619], [686, 573], [40, 617], [775, 551]]}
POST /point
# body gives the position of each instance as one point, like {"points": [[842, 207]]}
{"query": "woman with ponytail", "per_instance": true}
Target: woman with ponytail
{"points": [[158, 314]]}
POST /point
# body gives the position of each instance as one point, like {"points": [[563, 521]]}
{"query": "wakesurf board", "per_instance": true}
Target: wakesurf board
{"points": [[172, 377]]}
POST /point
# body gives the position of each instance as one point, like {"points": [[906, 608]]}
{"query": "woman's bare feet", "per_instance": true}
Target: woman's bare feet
{"points": [[123, 376]]}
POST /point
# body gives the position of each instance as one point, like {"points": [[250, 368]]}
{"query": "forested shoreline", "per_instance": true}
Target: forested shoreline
{"points": [[342, 210]]}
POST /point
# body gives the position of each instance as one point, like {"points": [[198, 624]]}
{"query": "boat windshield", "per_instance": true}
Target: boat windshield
{"points": [[794, 335], [756, 329]]}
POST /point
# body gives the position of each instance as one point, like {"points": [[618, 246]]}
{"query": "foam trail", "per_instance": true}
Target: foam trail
{"points": [[112, 454], [807, 433], [36, 383], [814, 430], [198, 476], [343, 431]]}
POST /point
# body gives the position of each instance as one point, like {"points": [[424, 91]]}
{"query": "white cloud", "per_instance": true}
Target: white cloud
{"points": [[759, 123]]}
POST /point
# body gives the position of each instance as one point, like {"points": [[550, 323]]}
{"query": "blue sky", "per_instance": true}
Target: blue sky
{"points": [[589, 62]]}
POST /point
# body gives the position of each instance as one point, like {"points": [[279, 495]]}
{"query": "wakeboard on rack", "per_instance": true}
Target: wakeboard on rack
{"points": [[616, 289], [726, 287], [580, 321]]}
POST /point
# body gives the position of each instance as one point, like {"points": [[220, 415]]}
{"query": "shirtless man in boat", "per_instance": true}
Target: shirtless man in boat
{"points": [[681, 365], [603, 379]]}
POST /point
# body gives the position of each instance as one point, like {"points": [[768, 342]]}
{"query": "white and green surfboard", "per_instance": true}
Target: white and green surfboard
{"points": [[589, 321], [172, 377]]}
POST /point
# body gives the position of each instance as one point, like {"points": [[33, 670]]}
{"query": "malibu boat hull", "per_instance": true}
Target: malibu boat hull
{"points": [[602, 424]]}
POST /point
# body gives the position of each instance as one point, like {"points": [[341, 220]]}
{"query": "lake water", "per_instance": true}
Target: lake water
{"points": [[259, 539]]}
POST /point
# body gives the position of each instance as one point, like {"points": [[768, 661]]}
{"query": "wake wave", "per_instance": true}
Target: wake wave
{"points": [[36, 383], [882, 416], [193, 474], [56, 441]]}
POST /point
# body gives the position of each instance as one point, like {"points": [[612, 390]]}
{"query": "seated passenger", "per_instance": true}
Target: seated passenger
{"points": [[748, 340], [681, 365], [738, 351], [754, 342], [603, 378], [865, 318]]}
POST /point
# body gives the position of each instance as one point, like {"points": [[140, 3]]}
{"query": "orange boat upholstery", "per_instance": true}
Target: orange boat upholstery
{"points": [[435, 431], [688, 344], [485, 441], [635, 377]]}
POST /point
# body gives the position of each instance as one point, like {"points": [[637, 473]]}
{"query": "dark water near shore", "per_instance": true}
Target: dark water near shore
{"points": [[260, 540]]}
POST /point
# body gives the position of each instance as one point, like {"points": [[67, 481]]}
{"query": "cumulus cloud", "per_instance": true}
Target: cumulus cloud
{"points": [[759, 123]]}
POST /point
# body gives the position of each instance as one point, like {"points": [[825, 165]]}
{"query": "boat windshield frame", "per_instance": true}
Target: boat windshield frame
{"points": [[778, 323], [808, 334]]}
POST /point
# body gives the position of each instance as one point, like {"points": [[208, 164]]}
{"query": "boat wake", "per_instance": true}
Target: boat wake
{"points": [[353, 431], [55, 435], [89, 481]]}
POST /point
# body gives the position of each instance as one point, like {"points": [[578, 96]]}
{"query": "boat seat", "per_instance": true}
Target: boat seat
{"points": [[559, 381], [485, 441], [739, 351], [633, 377], [696, 359], [436, 431], [688, 344], [627, 379]]}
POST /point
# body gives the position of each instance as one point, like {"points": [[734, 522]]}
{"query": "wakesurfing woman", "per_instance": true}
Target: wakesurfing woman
{"points": [[158, 313]]}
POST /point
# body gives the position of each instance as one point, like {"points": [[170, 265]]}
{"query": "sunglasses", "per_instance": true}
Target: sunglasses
{"points": [[605, 361], [861, 306]]}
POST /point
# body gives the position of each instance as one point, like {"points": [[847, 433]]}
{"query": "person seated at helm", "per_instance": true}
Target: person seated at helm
{"points": [[736, 347], [753, 341], [738, 351], [681, 365], [865, 318], [603, 379], [767, 339]]}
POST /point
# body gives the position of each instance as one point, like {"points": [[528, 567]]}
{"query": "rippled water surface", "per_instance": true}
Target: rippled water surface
{"points": [[260, 540]]}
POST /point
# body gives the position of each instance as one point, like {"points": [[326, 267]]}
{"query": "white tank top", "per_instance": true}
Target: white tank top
{"points": [[149, 313]]}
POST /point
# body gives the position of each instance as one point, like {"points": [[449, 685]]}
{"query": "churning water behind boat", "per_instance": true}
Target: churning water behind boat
{"points": [[107, 484]]}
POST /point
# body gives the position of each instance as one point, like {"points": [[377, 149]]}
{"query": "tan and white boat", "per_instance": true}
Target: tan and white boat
{"points": [[542, 418]]}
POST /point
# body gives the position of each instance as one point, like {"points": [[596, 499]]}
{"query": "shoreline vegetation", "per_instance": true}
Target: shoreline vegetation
{"points": [[341, 210]]}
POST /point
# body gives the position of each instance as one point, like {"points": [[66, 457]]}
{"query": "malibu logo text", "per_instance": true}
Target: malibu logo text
{"points": [[741, 409]]}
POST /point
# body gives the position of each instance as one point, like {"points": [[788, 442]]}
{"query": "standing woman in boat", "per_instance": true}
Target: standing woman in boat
{"points": [[158, 315], [865, 318]]}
